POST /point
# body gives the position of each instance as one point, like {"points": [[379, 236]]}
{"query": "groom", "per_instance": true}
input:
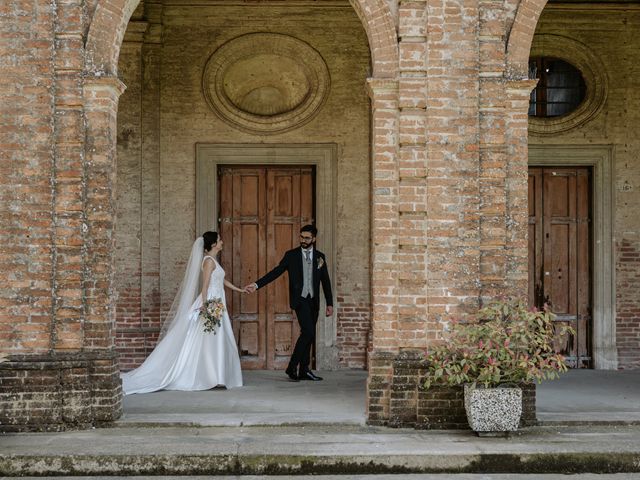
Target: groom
{"points": [[307, 267]]}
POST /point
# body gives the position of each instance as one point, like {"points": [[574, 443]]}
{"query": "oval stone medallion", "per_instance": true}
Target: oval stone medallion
{"points": [[266, 83]]}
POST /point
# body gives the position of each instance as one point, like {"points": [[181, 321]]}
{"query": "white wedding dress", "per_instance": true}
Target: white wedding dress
{"points": [[188, 358]]}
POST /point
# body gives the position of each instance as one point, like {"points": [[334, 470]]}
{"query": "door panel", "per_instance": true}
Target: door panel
{"points": [[261, 212], [288, 196], [559, 254], [242, 229]]}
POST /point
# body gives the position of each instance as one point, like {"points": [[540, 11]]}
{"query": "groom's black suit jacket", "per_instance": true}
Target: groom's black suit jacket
{"points": [[292, 263]]}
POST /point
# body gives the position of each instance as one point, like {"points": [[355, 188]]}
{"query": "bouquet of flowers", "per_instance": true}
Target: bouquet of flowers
{"points": [[211, 314]]}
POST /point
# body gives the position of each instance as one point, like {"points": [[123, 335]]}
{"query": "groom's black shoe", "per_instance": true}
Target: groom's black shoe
{"points": [[292, 374], [309, 375]]}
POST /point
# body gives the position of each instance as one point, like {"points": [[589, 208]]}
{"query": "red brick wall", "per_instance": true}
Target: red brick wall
{"points": [[27, 101], [628, 303]]}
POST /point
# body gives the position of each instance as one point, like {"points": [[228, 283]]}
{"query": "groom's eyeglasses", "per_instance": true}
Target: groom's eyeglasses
{"points": [[302, 237]]}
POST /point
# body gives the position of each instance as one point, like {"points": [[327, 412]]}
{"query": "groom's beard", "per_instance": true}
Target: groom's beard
{"points": [[306, 245]]}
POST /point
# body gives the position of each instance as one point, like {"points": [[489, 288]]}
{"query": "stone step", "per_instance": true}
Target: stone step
{"points": [[317, 450]]}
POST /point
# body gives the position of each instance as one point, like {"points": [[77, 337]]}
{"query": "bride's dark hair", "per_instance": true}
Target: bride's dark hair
{"points": [[210, 239]]}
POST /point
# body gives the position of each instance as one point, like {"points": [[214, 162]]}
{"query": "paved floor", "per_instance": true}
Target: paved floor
{"points": [[268, 398], [591, 396]]}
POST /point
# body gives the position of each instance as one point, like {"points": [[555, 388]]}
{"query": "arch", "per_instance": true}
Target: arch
{"points": [[378, 23], [112, 16], [106, 32], [521, 37]]}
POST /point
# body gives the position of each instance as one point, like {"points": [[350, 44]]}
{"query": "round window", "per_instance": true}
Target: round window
{"points": [[572, 84], [560, 90]]}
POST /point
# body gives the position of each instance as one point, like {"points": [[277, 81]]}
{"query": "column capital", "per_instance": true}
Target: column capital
{"points": [[104, 83], [521, 87], [382, 86], [102, 92]]}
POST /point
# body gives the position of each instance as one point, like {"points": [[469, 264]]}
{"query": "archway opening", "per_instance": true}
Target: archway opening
{"points": [[210, 96]]}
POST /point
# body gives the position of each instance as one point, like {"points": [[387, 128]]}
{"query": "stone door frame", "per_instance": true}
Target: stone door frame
{"points": [[600, 158], [324, 157]]}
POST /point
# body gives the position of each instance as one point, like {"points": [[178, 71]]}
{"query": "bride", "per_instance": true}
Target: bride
{"points": [[187, 358]]}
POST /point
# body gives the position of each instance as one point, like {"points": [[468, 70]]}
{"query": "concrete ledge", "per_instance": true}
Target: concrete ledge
{"points": [[306, 465], [317, 450]]}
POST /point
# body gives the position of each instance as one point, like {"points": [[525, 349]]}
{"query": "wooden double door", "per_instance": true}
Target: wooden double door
{"points": [[560, 254], [261, 212]]}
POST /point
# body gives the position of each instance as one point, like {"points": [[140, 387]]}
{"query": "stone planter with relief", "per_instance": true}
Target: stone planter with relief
{"points": [[492, 411]]}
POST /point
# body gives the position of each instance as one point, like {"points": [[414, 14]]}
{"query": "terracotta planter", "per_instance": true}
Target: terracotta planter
{"points": [[493, 410]]}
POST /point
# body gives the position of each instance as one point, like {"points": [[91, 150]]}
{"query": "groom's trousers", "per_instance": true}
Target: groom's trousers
{"points": [[307, 318]]}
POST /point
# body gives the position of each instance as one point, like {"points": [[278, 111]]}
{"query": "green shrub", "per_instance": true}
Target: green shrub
{"points": [[508, 344]]}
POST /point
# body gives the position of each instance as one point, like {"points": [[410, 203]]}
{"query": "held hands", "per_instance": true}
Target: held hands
{"points": [[250, 288], [329, 311]]}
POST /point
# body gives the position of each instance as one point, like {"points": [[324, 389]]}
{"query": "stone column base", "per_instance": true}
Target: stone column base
{"points": [[59, 391]]}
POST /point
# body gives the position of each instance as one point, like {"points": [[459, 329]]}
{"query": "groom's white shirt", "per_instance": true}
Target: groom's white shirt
{"points": [[310, 250]]}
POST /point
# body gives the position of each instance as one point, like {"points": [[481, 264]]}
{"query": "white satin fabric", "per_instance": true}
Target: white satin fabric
{"points": [[188, 358]]}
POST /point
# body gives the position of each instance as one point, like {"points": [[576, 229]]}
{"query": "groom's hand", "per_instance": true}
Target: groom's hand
{"points": [[250, 288], [329, 311]]}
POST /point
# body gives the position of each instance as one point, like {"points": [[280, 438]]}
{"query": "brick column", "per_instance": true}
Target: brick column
{"points": [[68, 180], [412, 331], [453, 227], [384, 247], [101, 102], [516, 125], [493, 154], [63, 370]]}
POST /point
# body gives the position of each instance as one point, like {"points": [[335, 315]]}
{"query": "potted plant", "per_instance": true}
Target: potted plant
{"points": [[507, 346]]}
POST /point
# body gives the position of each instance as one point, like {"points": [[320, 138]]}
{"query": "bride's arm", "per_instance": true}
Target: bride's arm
{"points": [[207, 268], [232, 286]]}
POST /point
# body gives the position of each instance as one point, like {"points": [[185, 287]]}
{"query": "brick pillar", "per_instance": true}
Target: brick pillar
{"points": [[517, 252], [453, 226], [101, 96], [384, 225], [62, 370], [493, 154], [412, 330]]}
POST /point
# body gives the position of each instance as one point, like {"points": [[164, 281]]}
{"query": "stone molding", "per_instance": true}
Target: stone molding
{"points": [[324, 157], [593, 71], [287, 99]]}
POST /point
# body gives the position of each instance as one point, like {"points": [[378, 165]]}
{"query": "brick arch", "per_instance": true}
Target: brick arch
{"points": [[378, 23], [112, 16], [521, 37], [106, 32]]}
